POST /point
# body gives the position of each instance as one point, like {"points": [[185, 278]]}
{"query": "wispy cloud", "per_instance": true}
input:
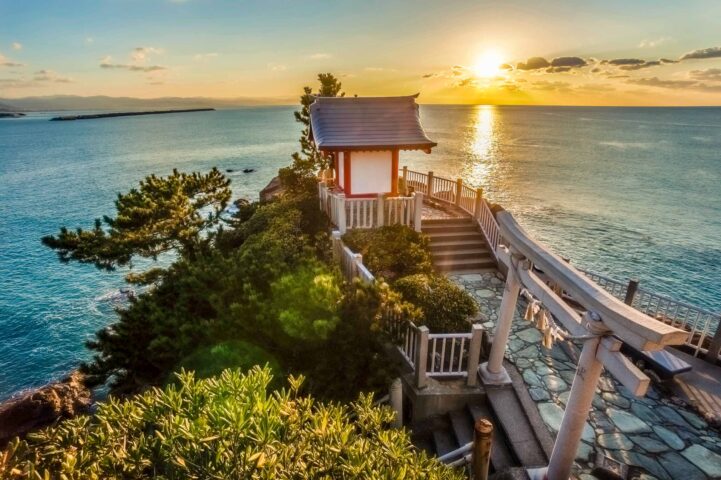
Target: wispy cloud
{"points": [[6, 62], [653, 43], [710, 74], [139, 58], [50, 76], [277, 67], [141, 54], [204, 56], [320, 56], [17, 46], [89, 40], [711, 52]]}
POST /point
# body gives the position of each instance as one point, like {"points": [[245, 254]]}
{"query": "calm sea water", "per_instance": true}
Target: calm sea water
{"points": [[626, 192]]}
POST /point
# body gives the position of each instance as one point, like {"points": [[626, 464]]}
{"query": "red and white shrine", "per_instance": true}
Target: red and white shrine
{"points": [[364, 137]]}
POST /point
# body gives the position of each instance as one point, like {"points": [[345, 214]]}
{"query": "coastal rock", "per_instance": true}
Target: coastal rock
{"points": [[38, 408]]}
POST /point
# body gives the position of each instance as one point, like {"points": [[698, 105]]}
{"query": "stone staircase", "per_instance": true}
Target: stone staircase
{"points": [[446, 433], [457, 245]]}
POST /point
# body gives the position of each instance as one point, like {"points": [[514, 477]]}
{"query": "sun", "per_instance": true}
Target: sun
{"points": [[488, 64]]}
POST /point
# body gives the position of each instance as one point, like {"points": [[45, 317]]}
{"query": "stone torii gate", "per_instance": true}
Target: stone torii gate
{"points": [[605, 325]]}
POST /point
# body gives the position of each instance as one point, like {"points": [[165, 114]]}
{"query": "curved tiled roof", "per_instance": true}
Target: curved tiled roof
{"points": [[367, 123]]}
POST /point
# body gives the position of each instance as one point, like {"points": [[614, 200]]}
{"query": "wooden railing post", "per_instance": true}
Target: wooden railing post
{"points": [[631, 291], [479, 204], [405, 181], [459, 192], [321, 185], [430, 185], [337, 245], [357, 260], [396, 401], [715, 347], [417, 211], [381, 210], [421, 357], [481, 458], [340, 205], [474, 354]]}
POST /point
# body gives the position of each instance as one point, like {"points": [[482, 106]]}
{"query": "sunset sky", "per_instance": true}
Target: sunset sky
{"points": [[609, 52]]}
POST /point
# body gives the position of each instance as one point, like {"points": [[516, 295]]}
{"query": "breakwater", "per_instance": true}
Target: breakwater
{"points": [[126, 114]]}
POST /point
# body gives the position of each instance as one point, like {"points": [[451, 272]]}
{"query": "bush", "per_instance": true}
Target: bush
{"points": [[391, 252], [237, 354], [225, 427], [445, 307]]}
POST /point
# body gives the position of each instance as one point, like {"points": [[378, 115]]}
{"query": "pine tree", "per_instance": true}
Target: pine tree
{"points": [[163, 214], [300, 175]]}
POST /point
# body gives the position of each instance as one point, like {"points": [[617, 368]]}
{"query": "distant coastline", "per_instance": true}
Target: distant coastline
{"points": [[126, 114]]}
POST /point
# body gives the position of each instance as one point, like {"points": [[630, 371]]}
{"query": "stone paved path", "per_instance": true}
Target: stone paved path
{"points": [[667, 440]]}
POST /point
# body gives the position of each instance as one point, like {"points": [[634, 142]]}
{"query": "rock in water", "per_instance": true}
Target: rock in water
{"points": [[43, 406], [248, 170]]}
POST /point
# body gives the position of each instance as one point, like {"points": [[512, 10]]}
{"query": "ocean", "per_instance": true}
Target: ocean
{"points": [[627, 192]]}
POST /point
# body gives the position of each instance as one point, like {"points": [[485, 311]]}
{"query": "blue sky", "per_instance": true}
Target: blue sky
{"points": [[451, 51]]}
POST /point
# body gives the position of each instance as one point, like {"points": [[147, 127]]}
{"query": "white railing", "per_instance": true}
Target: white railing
{"points": [[457, 193], [351, 263], [448, 354], [701, 323], [362, 212]]}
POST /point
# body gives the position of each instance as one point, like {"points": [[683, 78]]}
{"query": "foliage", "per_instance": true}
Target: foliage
{"points": [[445, 306], [301, 174], [237, 354], [392, 251], [162, 214], [225, 427]]}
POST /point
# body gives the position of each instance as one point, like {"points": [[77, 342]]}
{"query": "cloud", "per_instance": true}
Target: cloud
{"points": [[50, 76], [89, 40], [635, 63], [571, 62], [653, 43], [277, 67], [711, 52], [505, 66], [657, 82], [319, 56], [710, 74], [533, 63], [17, 46], [430, 75], [204, 56], [141, 54], [6, 62], [551, 86], [106, 63]]}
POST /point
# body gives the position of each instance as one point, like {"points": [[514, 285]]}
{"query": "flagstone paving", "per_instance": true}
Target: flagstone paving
{"points": [[666, 439]]}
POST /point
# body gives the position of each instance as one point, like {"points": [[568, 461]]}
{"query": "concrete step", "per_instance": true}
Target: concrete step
{"points": [[460, 254], [448, 221], [474, 236], [452, 227], [462, 425], [516, 427], [501, 456], [462, 265], [444, 440], [442, 246]]}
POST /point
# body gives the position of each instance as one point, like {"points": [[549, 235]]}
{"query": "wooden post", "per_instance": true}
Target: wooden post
{"points": [[459, 191], [479, 204], [430, 185], [394, 172], [715, 347], [340, 205], [631, 291], [381, 210], [405, 180], [417, 211], [396, 400], [321, 185], [336, 243], [357, 260], [421, 357], [576, 413], [474, 354], [482, 436]]}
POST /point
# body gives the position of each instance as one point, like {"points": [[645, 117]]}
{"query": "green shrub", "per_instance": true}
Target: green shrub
{"points": [[391, 252], [237, 354], [445, 306], [225, 427]]}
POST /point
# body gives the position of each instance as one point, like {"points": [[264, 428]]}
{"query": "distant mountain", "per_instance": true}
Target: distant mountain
{"points": [[73, 102], [5, 107]]}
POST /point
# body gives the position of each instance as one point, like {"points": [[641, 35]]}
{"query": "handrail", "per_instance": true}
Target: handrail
{"points": [[633, 327], [458, 451]]}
